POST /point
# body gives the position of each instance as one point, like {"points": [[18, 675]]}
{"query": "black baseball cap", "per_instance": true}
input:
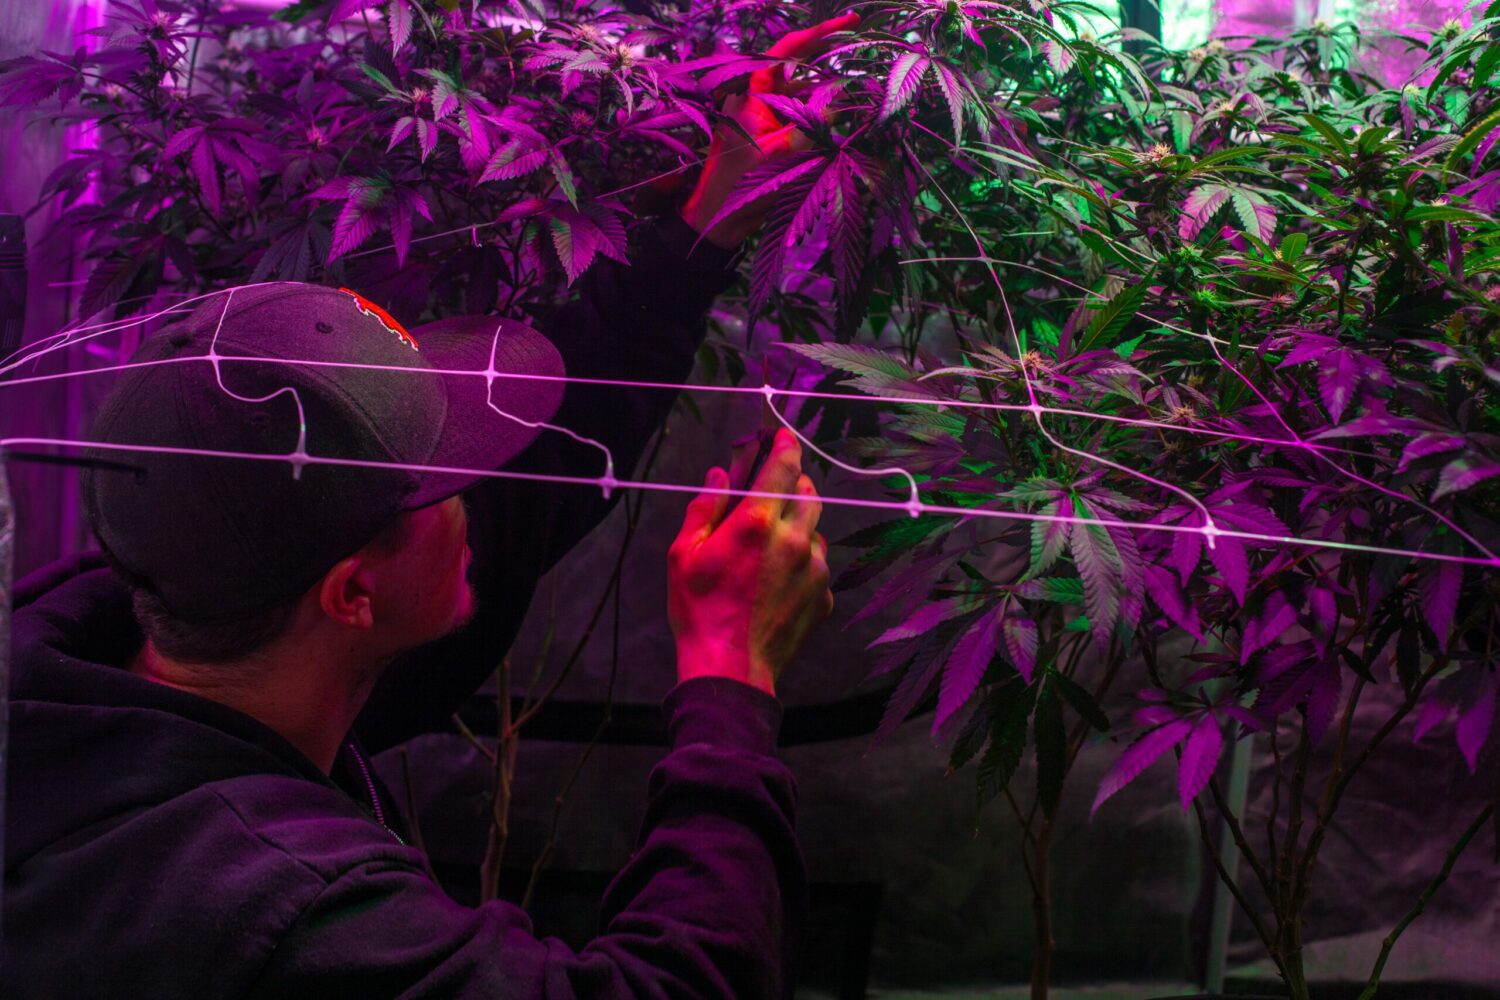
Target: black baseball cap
{"points": [[219, 539]]}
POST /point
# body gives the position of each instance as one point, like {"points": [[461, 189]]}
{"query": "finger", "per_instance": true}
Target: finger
{"points": [[800, 44], [778, 475], [705, 511], [804, 512]]}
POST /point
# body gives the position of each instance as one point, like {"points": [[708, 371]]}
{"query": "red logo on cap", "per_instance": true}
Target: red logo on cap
{"points": [[388, 321]]}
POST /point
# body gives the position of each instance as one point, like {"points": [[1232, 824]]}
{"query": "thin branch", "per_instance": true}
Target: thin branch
{"points": [[1239, 896], [1422, 901]]}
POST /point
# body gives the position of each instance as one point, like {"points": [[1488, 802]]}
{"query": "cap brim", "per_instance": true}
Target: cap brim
{"points": [[487, 419]]}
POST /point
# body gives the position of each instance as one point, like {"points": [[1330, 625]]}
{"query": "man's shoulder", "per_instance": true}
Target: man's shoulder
{"points": [[318, 830]]}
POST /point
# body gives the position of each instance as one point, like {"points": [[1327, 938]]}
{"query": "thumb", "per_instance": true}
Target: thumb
{"points": [[705, 512]]}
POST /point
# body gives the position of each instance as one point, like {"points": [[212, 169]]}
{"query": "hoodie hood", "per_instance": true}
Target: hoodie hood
{"points": [[92, 743]]}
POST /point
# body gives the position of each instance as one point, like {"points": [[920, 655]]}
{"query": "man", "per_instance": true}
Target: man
{"points": [[192, 812]]}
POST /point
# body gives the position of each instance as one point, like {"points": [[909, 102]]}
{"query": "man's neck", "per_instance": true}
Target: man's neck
{"points": [[308, 699]]}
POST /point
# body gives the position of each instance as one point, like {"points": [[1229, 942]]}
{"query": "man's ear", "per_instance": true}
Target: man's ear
{"points": [[346, 594]]}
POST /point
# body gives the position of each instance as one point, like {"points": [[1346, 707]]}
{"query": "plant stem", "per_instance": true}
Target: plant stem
{"points": [[1229, 883], [1341, 783], [1422, 901], [503, 769], [1041, 913]]}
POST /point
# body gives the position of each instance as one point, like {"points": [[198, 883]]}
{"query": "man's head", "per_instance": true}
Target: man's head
{"points": [[228, 554], [408, 586]]}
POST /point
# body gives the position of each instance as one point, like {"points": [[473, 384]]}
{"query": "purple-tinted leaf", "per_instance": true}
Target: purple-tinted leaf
{"points": [[971, 655], [1322, 607], [1163, 588], [1020, 634], [1475, 722], [931, 655], [1137, 757], [1425, 445], [206, 173], [1228, 557], [398, 20], [761, 181], [1461, 473], [1187, 550], [904, 82], [953, 92], [1059, 56], [1200, 755], [926, 617], [1201, 204], [1246, 516], [1433, 713], [1276, 616], [348, 8], [1256, 215], [1323, 698], [1338, 374], [1243, 716], [902, 584], [1438, 587]]}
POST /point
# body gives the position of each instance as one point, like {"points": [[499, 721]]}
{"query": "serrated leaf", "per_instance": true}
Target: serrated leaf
{"points": [[1010, 709], [1083, 703], [1438, 587], [904, 82], [1021, 642], [1257, 215], [953, 93], [1059, 56], [1137, 757], [398, 21], [925, 618], [1200, 755], [1109, 321], [1201, 204], [971, 655], [1228, 557]]}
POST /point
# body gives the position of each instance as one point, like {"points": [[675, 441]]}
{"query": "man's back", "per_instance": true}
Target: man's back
{"points": [[160, 844]]}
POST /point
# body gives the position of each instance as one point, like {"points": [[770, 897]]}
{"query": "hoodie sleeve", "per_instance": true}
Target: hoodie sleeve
{"points": [[641, 323], [712, 903]]}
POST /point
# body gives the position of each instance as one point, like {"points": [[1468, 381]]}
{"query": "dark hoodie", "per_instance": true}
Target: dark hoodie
{"points": [[159, 844]]}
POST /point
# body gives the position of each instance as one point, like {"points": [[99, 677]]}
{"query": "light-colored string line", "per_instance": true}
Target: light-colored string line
{"points": [[490, 374], [1296, 440], [693, 387], [913, 505], [926, 508], [299, 454], [1208, 529], [110, 326]]}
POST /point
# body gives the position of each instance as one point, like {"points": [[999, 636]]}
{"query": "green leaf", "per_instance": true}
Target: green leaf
{"points": [[1292, 245], [1083, 703], [1051, 748], [1126, 348], [1445, 213], [380, 78], [564, 175], [1182, 131], [1110, 320], [1472, 139], [971, 737], [1010, 707], [1330, 133]]}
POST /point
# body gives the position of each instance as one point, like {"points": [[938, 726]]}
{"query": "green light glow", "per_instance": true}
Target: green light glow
{"points": [[1186, 23]]}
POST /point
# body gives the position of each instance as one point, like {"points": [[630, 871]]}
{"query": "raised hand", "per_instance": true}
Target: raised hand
{"points": [[745, 586], [730, 156]]}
